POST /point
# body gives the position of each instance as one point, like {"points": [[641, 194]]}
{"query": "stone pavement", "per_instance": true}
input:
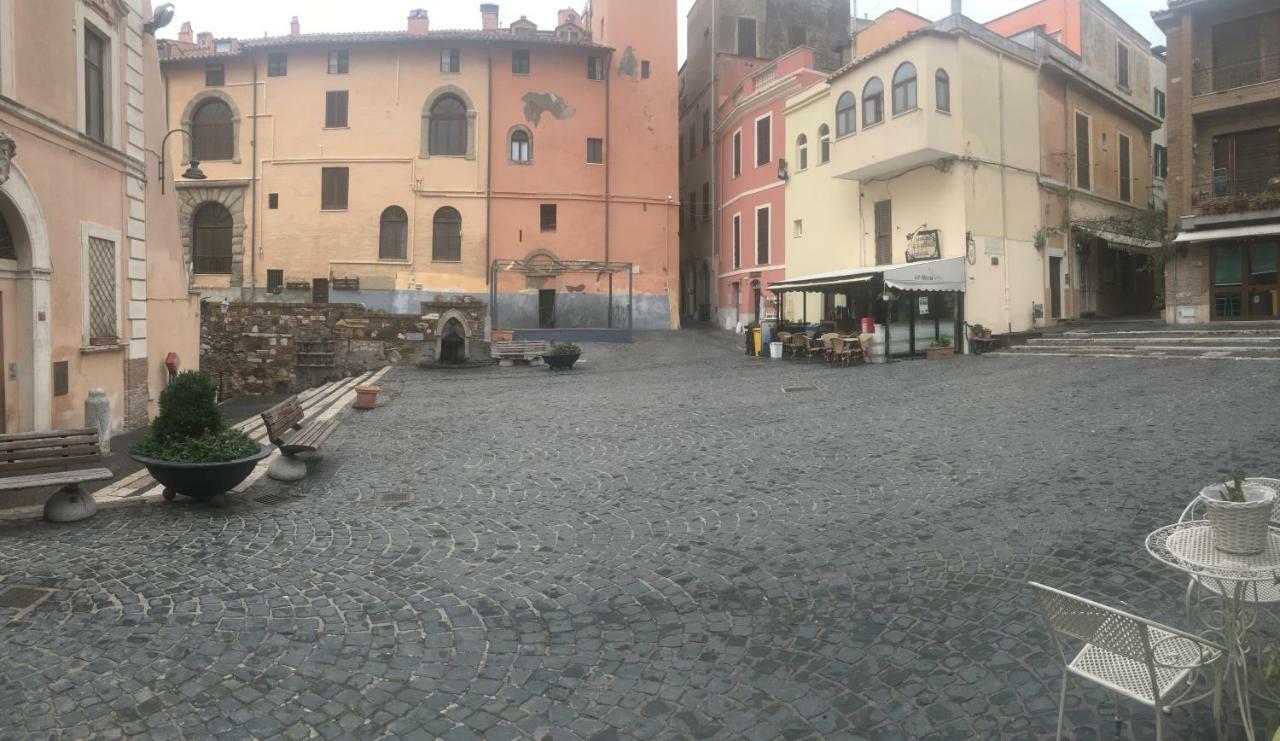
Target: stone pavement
{"points": [[663, 544]]}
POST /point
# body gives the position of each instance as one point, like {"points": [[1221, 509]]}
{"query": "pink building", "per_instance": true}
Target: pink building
{"points": [[755, 157]]}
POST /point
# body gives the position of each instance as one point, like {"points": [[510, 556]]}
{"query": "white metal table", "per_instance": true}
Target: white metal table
{"points": [[1188, 547]]}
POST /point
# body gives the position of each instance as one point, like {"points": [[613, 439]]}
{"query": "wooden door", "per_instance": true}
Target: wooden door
{"points": [[547, 309], [1055, 287], [320, 291]]}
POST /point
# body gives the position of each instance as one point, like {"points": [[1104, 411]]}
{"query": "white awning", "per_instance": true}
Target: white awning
{"points": [[946, 274], [1234, 232]]}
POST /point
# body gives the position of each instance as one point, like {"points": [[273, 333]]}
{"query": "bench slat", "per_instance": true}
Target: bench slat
{"points": [[47, 434], [75, 460], [69, 440], [310, 438], [63, 478], [282, 418], [70, 451]]}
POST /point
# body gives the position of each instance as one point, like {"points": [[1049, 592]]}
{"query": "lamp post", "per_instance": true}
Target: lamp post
{"points": [[193, 171]]}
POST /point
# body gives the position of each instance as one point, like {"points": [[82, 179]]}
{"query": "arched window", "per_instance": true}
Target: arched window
{"points": [[521, 146], [212, 132], [942, 89], [211, 239], [872, 102], [904, 88], [446, 236], [8, 246], [393, 234], [824, 144], [802, 152], [846, 114], [448, 135]]}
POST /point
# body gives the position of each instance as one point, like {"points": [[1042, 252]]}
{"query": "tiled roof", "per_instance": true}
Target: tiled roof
{"points": [[370, 37], [859, 61]]}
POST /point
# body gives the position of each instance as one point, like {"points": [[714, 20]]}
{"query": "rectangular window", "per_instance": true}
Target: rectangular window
{"points": [[275, 281], [706, 201], [797, 228], [335, 109], [333, 188], [519, 61], [762, 236], [222, 47], [706, 128], [595, 151], [680, 150], [451, 61], [1084, 167], [104, 310], [737, 153], [595, 68], [215, 75], [339, 62], [548, 217], [61, 378], [95, 86], [644, 70], [884, 232], [692, 212], [1160, 161], [1122, 65], [746, 37], [764, 141], [277, 64], [273, 201], [1159, 103], [737, 241], [1126, 170]]}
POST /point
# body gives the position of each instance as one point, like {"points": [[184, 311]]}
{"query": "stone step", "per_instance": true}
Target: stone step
{"points": [[1226, 332], [1181, 353], [1212, 341]]}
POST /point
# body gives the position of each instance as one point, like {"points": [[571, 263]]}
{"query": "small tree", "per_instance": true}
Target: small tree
{"points": [[188, 408]]}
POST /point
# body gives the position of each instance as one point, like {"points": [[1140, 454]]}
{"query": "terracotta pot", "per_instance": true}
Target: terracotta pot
{"points": [[939, 353], [367, 397]]}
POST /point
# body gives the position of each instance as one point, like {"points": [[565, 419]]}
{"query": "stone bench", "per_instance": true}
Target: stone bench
{"points": [[25, 451], [529, 351]]}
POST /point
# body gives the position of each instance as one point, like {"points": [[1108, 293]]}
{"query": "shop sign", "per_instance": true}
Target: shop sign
{"points": [[925, 245]]}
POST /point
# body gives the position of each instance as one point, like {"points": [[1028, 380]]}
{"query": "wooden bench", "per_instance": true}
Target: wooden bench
{"points": [[299, 441], [25, 451], [528, 351]]}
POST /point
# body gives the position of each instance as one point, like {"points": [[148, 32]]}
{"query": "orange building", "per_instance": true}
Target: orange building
{"points": [[530, 170]]}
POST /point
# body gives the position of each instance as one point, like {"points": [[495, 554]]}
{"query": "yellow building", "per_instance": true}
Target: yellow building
{"points": [[923, 153]]}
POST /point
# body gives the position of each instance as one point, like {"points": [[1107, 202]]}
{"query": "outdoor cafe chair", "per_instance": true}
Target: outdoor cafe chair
{"points": [[1125, 654]]}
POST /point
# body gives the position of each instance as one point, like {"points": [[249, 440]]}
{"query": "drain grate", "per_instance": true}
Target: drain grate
{"points": [[798, 389], [23, 598], [272, 499]]}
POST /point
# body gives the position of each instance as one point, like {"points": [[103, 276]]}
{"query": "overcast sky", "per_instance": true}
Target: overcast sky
{"points": [[249, 18]]}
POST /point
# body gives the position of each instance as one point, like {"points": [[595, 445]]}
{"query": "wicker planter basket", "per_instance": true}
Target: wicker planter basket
{"points": [[1240, 527]]}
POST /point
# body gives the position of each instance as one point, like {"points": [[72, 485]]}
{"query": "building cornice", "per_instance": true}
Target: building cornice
{"points": [[69, 135]]}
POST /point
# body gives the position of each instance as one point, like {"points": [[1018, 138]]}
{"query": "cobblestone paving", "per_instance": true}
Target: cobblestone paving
{"points": [[662, 544]]}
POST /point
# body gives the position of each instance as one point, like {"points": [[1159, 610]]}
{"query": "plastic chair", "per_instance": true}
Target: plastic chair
{"points": [[1125, 654]]}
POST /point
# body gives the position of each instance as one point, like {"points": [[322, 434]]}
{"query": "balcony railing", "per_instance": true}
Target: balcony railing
{"points": [[212, 264], [1227, 194], [1230, 76]]}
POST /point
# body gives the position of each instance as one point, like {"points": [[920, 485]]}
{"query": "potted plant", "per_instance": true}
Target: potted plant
{"points": [[980, 332], [562, 355], [189, 447], [1240, 513], [940, 349]]}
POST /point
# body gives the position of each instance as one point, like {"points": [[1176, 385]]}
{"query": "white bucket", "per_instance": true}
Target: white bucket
{"points": [[877, 345], [775, 350]]}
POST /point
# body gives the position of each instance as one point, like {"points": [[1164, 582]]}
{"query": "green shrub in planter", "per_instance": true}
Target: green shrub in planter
{"points": [[564, 348], [191, 428]]}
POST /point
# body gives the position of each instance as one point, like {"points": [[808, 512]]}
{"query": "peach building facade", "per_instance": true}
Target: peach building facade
{"points": [[393, 168], [94, 291]]}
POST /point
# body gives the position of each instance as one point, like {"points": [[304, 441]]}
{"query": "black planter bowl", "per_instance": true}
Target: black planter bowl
{"points": [[561, 362], [201, 480]]}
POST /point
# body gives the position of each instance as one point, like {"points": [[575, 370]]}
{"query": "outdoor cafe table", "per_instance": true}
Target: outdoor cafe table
{"points": [[1188, 547]]}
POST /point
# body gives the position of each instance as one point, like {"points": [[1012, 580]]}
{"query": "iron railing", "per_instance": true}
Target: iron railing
{"points": [[1224, 193], [211, 264], [1207, 80]]}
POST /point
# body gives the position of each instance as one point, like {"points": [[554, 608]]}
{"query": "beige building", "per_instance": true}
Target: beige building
{"points": [[93, 288]]}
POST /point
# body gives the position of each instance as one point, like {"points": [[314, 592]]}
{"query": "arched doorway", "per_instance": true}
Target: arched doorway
{"points": [[25, 304], [453, 343]]}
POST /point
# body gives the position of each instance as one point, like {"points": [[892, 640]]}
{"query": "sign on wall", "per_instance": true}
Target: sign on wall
{"points": [[925, 245]]}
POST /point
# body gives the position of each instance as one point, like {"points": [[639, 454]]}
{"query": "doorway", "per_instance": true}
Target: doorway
{"points": [[453, 345], [547, 309], [1055, 287], [320, 291], [757, 301], [1246, 282]]}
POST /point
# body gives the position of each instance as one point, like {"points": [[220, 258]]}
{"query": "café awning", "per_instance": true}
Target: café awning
{"points": [[946, 274], [1234, 232]]}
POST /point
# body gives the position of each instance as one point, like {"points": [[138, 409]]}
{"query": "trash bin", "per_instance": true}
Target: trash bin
{"points": [[775, 350], [755, 341]]}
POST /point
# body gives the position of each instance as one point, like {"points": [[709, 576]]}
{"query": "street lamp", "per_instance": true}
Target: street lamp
{"points": [[193, 172]]}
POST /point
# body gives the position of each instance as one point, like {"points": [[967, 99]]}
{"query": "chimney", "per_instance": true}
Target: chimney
{"points": [[295, 28], [489, 17], [185, 35], [206, 39], [419, 23], [955, 7]]}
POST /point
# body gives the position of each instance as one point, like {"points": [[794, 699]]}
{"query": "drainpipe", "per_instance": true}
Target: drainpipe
{"points": [[488, 180], [1004, 204], [608, 164], [253, 196]]}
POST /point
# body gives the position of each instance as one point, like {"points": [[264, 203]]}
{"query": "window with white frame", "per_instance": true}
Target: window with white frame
{"points": [[764, 140]]}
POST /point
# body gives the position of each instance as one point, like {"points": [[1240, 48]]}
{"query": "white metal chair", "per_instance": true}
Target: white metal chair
{"points": [[1265, 594], [1125, 654]]}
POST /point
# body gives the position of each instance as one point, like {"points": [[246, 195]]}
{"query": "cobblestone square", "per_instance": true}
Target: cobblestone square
{"points": [[661, 544]]}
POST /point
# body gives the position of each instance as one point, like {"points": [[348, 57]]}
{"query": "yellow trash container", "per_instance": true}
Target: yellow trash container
{"points": [[755, 340]]}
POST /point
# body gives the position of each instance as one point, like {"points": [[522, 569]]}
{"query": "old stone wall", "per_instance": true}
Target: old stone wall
{"points": [[253, 349]]}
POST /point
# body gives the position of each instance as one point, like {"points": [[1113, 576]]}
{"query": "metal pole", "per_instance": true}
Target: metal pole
{"points": [[631, 300]]}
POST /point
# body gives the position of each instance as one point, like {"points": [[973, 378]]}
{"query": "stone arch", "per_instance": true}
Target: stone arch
{"points": [[191, 196], [450, 318], [26, 221], [190, 111], [425, 132]]}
